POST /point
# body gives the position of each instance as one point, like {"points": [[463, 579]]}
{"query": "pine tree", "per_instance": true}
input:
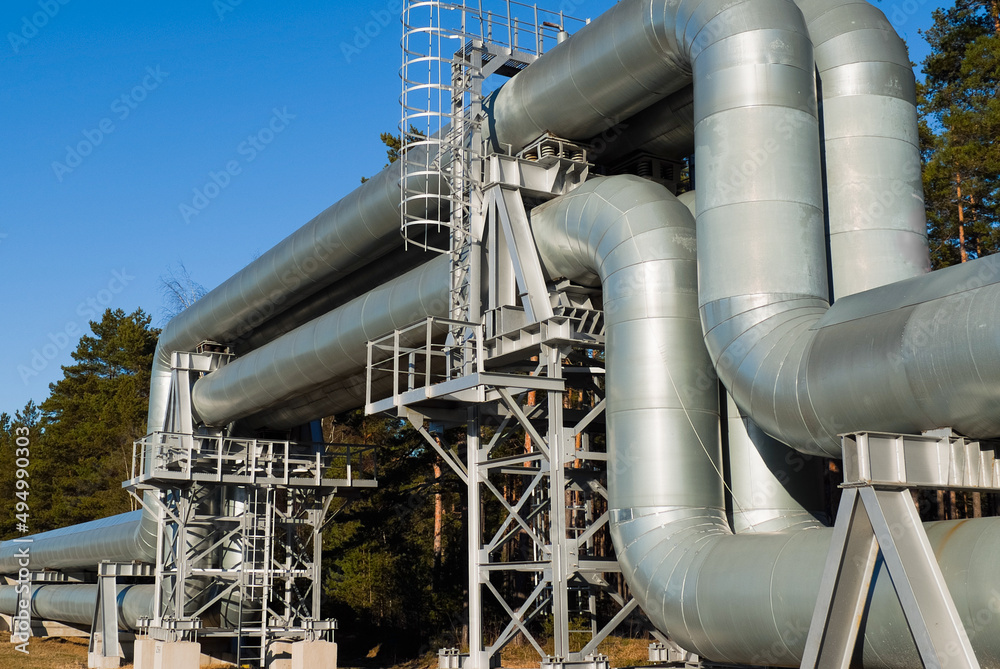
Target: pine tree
{"points": [[381, 571], [961, 113], [90, 421], [20, 436]]}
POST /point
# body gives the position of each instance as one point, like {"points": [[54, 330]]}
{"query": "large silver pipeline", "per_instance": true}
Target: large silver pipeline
{"points": [[665, 128], [344, 237], [746, 598], [326, 348], [773, 487], [802, 373], [653, 46], [122, 538], [76, 603], [391, 266], [875, 206], [341, 394], [876, 228], [761, 219], [877, 231], [609, 70], [353, 232]]}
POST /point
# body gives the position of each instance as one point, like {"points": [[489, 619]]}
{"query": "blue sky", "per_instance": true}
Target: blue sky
{"points": [[115, 113]]}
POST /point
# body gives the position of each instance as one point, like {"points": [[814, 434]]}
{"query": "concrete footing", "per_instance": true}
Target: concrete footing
{"points": [[279, 655], [152, 654], [98, 661], [314, 655]]}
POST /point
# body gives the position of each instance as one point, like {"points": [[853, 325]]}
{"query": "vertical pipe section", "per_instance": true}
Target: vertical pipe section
{"points": [[744, 599], [635, 239], [804, 372], [775, 488], [878, 232]]}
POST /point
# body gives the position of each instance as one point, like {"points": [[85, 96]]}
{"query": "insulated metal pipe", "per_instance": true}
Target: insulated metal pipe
{"points": [[391, 266], [342, 394], [326, 348], [744, 599], [665, 128], [871, 148], [348, 235], [632, 237], [773, 487], [762, 282], [71, 603], [122, 538]]}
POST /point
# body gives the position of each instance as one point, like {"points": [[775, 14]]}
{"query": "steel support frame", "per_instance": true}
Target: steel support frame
{"points": [[499, 286], [182, 477], [877, 516], [104, 647], [558, 565], [288, 577]]}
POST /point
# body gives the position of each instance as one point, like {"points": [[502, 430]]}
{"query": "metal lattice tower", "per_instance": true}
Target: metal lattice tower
{"points": [[518, 350], [239, 543]]}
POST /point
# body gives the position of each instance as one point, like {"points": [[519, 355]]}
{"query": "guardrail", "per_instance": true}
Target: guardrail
{"points": [[176, 456]]}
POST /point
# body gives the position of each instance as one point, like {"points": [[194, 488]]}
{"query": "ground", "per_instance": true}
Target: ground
{"points": [[57, 653]]}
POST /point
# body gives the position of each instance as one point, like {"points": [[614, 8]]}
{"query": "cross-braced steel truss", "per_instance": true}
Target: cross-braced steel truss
{"points": [[240, 521]]}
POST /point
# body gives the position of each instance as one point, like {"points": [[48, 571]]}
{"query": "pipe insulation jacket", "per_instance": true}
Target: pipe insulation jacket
{"points": [[774, 488], [351, 233], [662, 129], [71, 603], [748, 598], [796, 366], [874, 190], [761, 211], [762, 253], [872, 165], [329, 347], [899, 358], [122, 538]]}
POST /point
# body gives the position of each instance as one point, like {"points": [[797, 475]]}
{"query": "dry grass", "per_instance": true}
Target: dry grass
{"points": [[52, 653], [71, 653], [621, 652], [47, 653]]}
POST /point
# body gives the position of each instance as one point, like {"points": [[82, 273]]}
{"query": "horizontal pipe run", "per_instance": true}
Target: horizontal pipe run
{"points": [[909, 357], [122, 538], [325, 349], [76, 603]]}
